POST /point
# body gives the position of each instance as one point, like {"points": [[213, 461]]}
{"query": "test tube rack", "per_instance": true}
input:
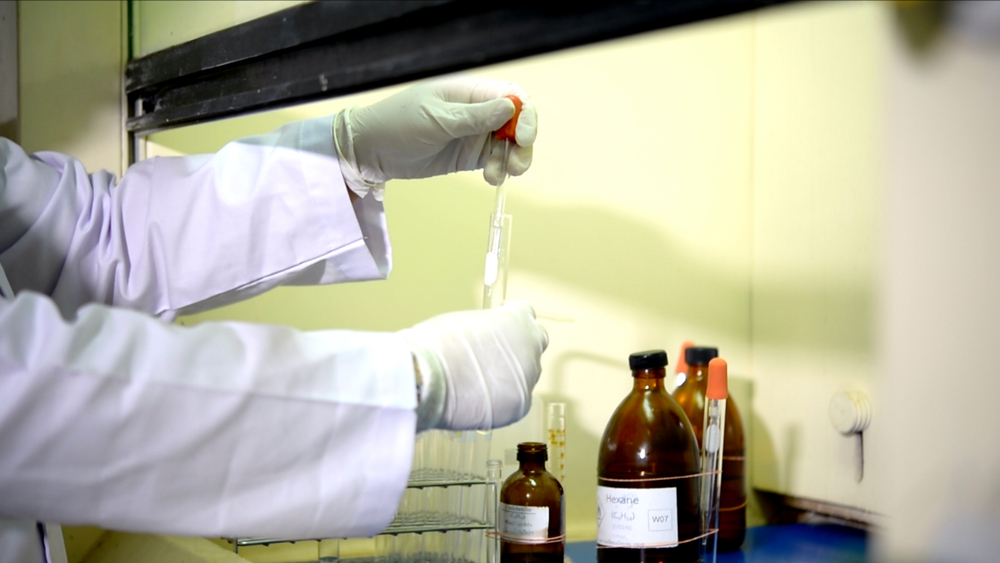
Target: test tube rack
{"points": [[446, 515]]}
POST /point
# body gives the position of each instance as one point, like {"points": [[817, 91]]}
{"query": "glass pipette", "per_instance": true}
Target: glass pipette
{"points": [[557, 440], [495, 276], [711, 456]]}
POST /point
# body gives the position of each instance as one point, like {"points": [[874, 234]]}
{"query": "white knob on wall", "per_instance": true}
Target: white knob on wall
{"points": [[850, 412]]}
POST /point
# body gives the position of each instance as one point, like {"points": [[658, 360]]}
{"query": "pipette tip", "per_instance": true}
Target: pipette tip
{"points": [[718, 379]]}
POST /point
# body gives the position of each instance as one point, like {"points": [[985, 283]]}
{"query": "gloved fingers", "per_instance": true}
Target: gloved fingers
{"points": [[435, 128], [519, 158], [518, 161], [527, 123], [525, 314], [492, 170], [472, 90], [521, 309], [526, 343], [465, 120], [488, 362]]}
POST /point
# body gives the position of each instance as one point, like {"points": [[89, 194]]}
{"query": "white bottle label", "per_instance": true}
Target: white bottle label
{"points": [[636, 517], [524, 522]]}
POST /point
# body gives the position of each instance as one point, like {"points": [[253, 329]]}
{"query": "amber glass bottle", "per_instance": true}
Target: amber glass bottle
{"points": [[691, 397], [647, 492], [532, 511]]}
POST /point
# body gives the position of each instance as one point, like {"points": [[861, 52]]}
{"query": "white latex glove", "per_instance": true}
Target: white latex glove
{"points": [[434, 128], [477, 368]]}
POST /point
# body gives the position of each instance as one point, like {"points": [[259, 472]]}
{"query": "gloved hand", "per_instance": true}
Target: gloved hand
{"points": [[477, 368], [434, 128]]}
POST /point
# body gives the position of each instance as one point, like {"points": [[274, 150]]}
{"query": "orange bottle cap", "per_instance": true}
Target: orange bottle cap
{"points": [[718, 379], [506, 133], [682, 365]]}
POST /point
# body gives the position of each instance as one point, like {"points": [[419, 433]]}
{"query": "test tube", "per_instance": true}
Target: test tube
{"points": [[497, 260], [462, 444], [328, 551], [411, 547], [481, 441], [383, 548], [557, 441], [440, 449], [418, 470], [412, 507], [495, 276], [711, 456], [434, 546], [494, 469]]}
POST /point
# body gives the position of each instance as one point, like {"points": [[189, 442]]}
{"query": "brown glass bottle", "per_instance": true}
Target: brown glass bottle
{"points": [[532, 511], [691, 397], [647, 492]]}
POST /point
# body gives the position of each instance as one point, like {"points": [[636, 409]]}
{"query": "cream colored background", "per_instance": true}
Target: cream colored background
{"points": [[724, 182], [158, 24]]}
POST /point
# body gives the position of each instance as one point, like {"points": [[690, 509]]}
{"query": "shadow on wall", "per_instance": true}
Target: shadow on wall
{"points": [[440, 238], [621, 259], [438, 228]]}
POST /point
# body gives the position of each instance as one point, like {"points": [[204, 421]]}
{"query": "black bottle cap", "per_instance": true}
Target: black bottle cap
{"points": [[532, 451], [700, 355], [650, 359]]}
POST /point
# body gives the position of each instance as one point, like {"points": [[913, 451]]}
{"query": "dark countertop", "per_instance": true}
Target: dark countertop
{"points": [[790, 543]]}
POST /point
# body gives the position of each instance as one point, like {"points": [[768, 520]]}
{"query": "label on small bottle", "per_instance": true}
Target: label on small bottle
{"points": [[523, 522], [636, 517]]}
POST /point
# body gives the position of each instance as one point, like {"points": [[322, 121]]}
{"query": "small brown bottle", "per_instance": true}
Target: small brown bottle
{"points": [[532, 511], [691, 397], [647, 484]]}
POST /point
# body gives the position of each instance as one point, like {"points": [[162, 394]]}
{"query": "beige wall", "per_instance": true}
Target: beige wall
{"points": [[816, 193], [159, 24], [70, 59]]}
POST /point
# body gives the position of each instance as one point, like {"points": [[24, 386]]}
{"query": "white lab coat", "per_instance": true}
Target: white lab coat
{"points": [[111, 416]]}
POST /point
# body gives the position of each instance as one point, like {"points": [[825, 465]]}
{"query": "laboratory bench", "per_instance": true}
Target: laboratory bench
{"points": [[789, 543]]}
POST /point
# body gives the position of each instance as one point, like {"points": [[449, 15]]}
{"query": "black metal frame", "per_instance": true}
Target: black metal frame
{"points": [[324, 49]]}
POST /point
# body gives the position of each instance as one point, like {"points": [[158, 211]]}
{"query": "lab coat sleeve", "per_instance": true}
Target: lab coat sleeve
{"points": [[223, 429], [184, 234]]}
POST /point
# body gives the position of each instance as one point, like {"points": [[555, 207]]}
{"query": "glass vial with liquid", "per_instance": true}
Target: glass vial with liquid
{"points": [[532, 511], [647, 483], [691, 397]]}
